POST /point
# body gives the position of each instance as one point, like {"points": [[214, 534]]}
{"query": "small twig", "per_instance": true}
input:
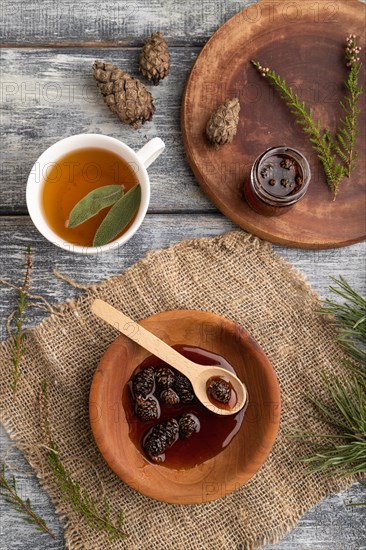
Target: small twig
{"points": [[321, 140], [347, 131], [79, 499], [18, 320], [344, 143], [23, 507]]}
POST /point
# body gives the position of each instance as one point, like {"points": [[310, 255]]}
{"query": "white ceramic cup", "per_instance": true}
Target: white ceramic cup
{"points": [[139, 161]]}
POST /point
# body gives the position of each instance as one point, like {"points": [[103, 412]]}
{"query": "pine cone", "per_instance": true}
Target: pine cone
{"points": [[188, 425], [165, 377], [223, 123], [160, 438], [169, 397], [183, 388], [154, 59], [126, 96], [220, 390], [147, 409], [143, 382]]}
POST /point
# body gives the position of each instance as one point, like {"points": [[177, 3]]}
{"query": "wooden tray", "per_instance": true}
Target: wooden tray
{"points": [[304, 42], [223, 473]]}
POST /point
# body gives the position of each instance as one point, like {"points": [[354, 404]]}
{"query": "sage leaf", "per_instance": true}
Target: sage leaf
{"points": [[93, 203], [118, 217]]}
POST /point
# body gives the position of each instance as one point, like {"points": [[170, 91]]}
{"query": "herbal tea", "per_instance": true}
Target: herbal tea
{"points": [[71, 178]]}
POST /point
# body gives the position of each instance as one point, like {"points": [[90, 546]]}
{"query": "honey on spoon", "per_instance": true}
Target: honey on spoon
{"points": [[198, 375]]}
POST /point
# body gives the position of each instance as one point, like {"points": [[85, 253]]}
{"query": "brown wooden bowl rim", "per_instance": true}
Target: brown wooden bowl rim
{"points": [[272, 428]]}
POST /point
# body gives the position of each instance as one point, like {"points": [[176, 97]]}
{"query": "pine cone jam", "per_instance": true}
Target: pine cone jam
{"points": [[169, 425], [221, 393], [279, 179]]}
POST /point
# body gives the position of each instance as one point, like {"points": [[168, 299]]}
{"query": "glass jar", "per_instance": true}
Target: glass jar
{"points": [[279, 178]]}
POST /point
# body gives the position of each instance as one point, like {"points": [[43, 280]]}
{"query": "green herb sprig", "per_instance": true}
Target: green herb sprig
{"points": [[96, 516], [23, 507], [349, 318], [18, 320], [347, 131], [343, 451], [338, 155]]}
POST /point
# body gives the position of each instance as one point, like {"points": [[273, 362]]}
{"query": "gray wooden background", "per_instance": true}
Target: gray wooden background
{"points": [[47, 93]]}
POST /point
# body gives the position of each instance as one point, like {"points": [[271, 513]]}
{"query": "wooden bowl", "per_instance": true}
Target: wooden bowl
{"points": [[239, 461]]}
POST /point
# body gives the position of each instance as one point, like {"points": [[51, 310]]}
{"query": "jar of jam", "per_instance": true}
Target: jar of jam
{"points": [[279, 178]]}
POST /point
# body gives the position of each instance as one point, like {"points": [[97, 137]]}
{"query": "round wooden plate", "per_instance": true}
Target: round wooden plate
{"points": [[304, 42], [236, 463]]}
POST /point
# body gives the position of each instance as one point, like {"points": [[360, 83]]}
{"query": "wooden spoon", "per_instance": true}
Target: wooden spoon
{"points": [[198, 375]]}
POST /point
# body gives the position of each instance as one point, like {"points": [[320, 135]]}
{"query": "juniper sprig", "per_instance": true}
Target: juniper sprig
{"points": [[320, 139], [23, 507], [18, 320], [338, 155], [97, 516], [347, 130]]}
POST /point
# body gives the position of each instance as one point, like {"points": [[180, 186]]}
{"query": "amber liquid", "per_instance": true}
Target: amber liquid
{"points": [[216, 431], [72, 177]]}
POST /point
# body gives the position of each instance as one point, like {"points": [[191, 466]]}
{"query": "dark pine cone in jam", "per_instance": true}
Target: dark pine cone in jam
{"points": [[164, 377], [147, 409], [169, 397], [183, 388], [188, 425], [160, 438], [143, 382], [220, 390]]}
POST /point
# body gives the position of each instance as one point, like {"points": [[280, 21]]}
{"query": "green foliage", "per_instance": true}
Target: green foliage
{"points": [[93, 203], [343, 452], [321, 140], [338, 156], [118, 217], [23, 507], [18, 320], [347, 131], [349, 318], [124, 207], [96, 516]]}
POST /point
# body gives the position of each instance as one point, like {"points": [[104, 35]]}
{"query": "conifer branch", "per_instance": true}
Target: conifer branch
{"points": [[343, 451], [349, 318], [321, 139], [338, 156], [23, 507], [18, 321], [96, 516], [347, 130]]}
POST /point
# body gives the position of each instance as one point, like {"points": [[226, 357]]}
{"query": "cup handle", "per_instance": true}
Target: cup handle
{"points": [[150, 152]]}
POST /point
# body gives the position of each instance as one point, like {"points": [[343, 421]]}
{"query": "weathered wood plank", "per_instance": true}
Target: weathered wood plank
{"points": [[50, 94], [157, 231], [126, 23]]}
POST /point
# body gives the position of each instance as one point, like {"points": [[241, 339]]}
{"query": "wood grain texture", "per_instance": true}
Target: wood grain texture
{"points": [[157, 231], [236, 464], [149, 341], [50, 94], [313, 66], [122, 23]]}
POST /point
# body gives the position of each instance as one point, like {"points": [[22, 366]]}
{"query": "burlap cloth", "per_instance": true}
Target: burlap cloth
{"points": [[235, 275]]}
